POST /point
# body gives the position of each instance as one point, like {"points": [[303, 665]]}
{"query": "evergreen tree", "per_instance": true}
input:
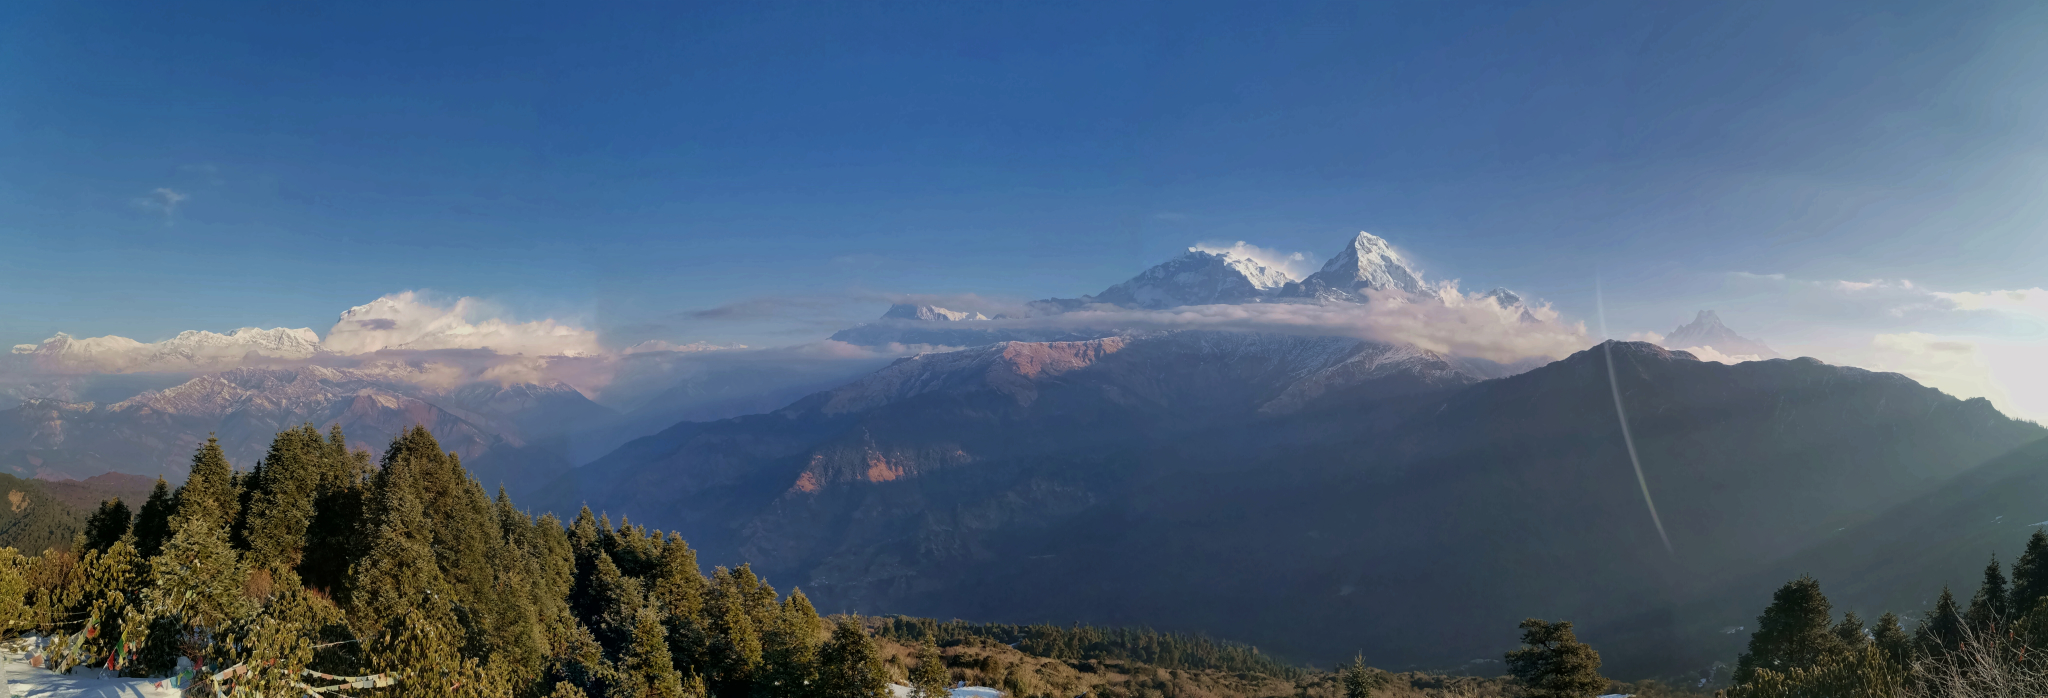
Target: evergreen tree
{"points": [[2030, 575], [1358, 680], [195, 594], [334, 537], [153, 523], [281, 501], [930, 679], [616, 600], [106, 525], [398, 569], [1988, 608], [275, 645], [1552, 662], [1891, 638], [1793, 632], [1864, 672], [850, 665], [789, 654], [678, 591], [647, 671], [208, 497], [1850, 631], [1942, 631], [422, 646], [679, 585], [735, 639]]}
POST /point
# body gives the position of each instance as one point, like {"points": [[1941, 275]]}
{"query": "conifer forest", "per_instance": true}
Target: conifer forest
{"points": [[318, 571]]}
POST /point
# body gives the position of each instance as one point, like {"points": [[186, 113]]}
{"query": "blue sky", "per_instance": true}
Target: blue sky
{"points": [[172, 166]]}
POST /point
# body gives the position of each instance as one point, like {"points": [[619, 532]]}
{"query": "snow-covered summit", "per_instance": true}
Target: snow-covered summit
{"points": [[928, 313], [1706, 331], [1197, 278], [191, 350], [1367, 263]]}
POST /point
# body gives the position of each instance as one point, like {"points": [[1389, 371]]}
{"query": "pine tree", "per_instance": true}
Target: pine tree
{"points": [[1942, 631], [195, 594], [1850, 631], [1864, 672], [1890, 637], [1793, 632], [1988, 609], [153, 523], [679, 585], [1553, 663], [208, 497], [789, 654], [735, 639], [281, 501], [398, 569], [930, 679], [850, 665], [2030, 575], [275, 645], [616, 600], [334, 537], [646, 671], [422, 646], [15, 613], [1358, 680], [106, 524]]}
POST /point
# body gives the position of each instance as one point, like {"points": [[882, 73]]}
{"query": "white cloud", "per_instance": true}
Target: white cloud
{"points": [[2031, 302], [1708, 353], [1951, 365], [1650, 337], [1449, 322], [1295, 264], [409, 321], [163, 200], [1968, 344], [653, 345]]}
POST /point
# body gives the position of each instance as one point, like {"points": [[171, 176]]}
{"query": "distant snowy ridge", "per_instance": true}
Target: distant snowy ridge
{"points": [[192, 350], [1197, 278], [1367, 290], [1706, 336]]}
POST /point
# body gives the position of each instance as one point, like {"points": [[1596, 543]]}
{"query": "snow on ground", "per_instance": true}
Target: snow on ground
{"points": [[901, 691], [24, 681]]}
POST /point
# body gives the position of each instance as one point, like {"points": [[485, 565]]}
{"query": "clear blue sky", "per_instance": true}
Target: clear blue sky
{"points": [[618, 164]]}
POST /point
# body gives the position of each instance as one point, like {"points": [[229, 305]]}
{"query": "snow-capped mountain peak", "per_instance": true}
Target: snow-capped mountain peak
{"points": [[1367, 263], [191, 350], [1706, 331], [1197, 278], [928, 313]]}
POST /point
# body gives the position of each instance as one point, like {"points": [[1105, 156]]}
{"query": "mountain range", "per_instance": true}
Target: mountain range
{"points": [[1300, 493], [1318, 489]]}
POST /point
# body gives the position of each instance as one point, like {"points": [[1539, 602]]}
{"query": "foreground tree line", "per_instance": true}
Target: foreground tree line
{"points": [[316, 569], [1997, 645]]}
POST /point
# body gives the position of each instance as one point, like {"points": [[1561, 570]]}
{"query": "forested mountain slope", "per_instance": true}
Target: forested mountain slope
{"points": [[1402, 508]]}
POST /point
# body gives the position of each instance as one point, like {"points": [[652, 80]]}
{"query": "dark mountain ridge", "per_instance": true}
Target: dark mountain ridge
{"points": [[1406, 508]]}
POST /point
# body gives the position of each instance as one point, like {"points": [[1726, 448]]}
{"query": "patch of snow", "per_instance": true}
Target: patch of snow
{"points": [[897, 690], [24, 681]]}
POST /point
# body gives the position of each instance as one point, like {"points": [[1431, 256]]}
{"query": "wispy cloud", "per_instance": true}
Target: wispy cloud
{"points": [[162, 200], [1296, 265], [1967, 343]]}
